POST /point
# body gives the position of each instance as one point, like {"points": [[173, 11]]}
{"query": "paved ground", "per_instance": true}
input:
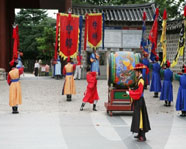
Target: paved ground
{"points": [[47, 121]]}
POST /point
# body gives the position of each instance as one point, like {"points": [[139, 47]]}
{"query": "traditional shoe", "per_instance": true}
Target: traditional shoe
{"points": [[141, 139], [94, 107], [165, 105], [137, 136], [14, 110], [82, 105], [182, 115], [69, 99]]}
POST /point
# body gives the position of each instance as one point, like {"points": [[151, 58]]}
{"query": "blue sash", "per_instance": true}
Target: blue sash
{"points": [[69, 73], [14, 80]]}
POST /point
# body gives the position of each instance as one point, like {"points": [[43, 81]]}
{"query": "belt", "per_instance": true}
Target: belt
{"points": [[14, 80], [69, 73]]}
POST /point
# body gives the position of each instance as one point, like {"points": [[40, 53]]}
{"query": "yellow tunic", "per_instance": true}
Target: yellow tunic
{"points": [[69, 86], [141, 117], [15, 97]]}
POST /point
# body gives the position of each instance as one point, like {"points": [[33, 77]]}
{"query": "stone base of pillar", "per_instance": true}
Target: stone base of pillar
{"points": [[2, 74]]}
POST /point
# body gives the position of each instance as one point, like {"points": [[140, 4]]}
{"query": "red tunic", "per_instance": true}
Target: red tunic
{"points": [[91, 93], [136, 94]]}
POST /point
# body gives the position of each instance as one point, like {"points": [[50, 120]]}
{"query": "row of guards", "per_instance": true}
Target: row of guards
{"points": [[153, 37], [69, 33]]}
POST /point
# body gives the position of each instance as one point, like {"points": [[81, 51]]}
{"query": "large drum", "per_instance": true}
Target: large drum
{"points": [[120, 69]]}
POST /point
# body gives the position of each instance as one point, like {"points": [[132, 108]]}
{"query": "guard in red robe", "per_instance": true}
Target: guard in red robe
{"points": [[140, 121], [91, 93]]}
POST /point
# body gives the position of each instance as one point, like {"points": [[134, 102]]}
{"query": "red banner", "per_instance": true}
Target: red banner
{"points": [[94, 29], [16, 43], [57, 33], [69, 35]]}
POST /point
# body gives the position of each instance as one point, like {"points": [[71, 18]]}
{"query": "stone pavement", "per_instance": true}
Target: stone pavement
{"points": [[47, 121]]}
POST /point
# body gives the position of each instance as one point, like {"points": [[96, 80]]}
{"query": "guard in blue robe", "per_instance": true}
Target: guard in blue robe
{"points": [[166, 90], [58, 68], [181, 96], [156, 80], [19, 65], [94, 59], [145, 72]]}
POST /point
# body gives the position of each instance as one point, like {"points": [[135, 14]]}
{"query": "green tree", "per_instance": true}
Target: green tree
{"points": [[46, 41], [29, 21]]}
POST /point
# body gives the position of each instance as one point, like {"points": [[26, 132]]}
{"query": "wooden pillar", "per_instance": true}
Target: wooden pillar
{"points": [[3, 34], [68, 4], [6, 19]]}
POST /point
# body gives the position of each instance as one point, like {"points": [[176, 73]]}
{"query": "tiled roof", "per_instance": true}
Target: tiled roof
{"points": [[132, 12], [174, 24]]}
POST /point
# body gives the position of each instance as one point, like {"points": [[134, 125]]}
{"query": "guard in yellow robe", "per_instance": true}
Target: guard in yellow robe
{"points": [[15, 97], [69, 87]]}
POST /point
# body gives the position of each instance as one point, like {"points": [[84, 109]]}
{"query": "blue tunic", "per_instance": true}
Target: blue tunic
{"points": [[166, 91], [19, 65], [95, 64], [181, 97], [145, 61], [58, 67], [156, 81]]}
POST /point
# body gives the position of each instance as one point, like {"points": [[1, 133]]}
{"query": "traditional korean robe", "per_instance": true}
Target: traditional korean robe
{"points": [[91, 93], [145, 72], [181, 96], [156, 80], [140, 118], [69, 87], [15, 96], [166, 90], [94, 63], [19, 65], [58, 67]]}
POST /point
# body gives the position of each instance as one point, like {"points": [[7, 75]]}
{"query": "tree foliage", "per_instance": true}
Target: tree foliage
{"points": [[35, 26], [174, 8], [47, 40]]}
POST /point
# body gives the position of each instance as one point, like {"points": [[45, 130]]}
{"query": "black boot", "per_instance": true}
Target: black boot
{"points": [[183, 113], [14, 110], [155, 95], [165, 103], [82, 105], [94, 107], [145, 86], [139, 134], [169, 104], [142, 137], [68, 97]]}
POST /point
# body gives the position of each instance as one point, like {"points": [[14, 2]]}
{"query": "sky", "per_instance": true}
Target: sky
{"points": [[51, 13]]}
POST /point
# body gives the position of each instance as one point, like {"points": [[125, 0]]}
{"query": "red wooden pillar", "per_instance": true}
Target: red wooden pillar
{"points": [[68, 4], [6, 19], [3, 34]]}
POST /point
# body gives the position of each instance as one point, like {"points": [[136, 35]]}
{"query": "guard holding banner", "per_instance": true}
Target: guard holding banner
{"points": [[156, 80], [15, 96]]}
